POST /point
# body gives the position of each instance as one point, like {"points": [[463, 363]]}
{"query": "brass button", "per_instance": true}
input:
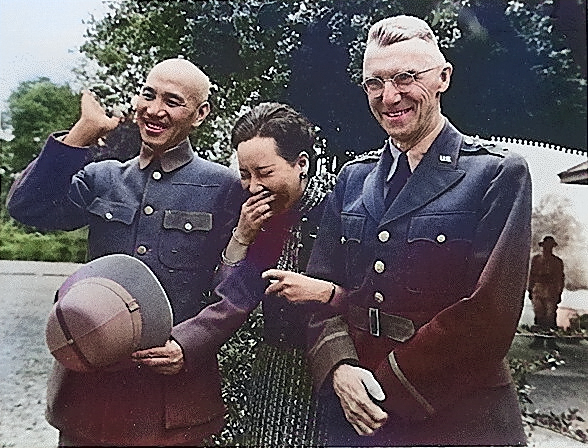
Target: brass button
{"points": [[378, 297], [188, 226], [441, 238], [379, 266], [384, 236], [156, 175], [148, 210], [108, 215], [141, 250]]}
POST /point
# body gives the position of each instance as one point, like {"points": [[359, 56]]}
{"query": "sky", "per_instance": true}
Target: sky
{"points": [[544, 165], [41, 37]]}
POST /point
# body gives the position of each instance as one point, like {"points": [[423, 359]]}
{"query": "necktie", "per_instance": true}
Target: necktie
{"points": [[398, 180]]}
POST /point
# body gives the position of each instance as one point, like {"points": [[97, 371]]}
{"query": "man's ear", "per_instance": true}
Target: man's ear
{"points": [[445, 77], [201, 113], [303, 162]]}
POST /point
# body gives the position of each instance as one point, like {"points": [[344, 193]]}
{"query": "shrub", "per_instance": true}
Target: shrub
{"points": [[235, 361], [16, 243], [564, 423]]}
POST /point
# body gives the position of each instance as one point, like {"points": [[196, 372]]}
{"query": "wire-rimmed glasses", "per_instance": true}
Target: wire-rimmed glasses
{"points": [[374, 86]]}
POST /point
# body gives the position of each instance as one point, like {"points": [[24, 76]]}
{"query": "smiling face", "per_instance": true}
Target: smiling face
{"points": [[410, 116], [261, 167], [172, 102]]}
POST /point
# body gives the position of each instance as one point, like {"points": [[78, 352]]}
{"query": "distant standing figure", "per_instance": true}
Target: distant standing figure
{"points": [[546, 282]]}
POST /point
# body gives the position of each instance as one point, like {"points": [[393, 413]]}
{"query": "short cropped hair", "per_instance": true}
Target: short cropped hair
{"points": [[400, 28], [290, 129]]}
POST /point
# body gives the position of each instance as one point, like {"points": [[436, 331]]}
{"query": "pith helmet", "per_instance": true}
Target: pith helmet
{"points": [[106, 310]]}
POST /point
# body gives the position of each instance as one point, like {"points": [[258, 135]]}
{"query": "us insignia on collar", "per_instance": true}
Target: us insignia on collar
{"points": [[444, 158]]}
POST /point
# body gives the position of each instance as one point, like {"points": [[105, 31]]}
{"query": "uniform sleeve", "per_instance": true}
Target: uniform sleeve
{"points": [[39, 197], [467, 342], [239, 291], [328, 337], [235, 195]]}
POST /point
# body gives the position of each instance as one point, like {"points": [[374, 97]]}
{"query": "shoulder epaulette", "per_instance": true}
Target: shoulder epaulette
{"points": [[477, 145], [366, 157]]}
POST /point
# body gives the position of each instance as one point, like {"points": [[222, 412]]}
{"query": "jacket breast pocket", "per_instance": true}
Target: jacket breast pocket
{"points": [[182, 242], [110, 227], [352, 235], [111, 211], [439, 250]]}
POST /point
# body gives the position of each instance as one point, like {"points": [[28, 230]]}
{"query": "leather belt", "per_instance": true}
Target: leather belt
{"points": [[378, 323]]}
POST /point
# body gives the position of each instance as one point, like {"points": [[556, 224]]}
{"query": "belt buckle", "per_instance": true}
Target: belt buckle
{"points": [[374, 316]]}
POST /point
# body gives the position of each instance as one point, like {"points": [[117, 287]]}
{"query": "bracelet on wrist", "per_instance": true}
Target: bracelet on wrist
{"points": [[226, 261], [242, 243]]}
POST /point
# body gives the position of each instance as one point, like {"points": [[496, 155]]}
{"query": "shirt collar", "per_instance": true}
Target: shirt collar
{"points": [[395, 153], [418, 151], [170, 160]]}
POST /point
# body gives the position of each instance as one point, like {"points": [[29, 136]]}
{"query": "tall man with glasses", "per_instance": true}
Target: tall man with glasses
{"points": [[427, 243], [170, 209]]}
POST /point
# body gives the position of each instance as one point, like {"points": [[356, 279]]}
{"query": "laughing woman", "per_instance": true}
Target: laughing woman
{"points": [[276, 229]]}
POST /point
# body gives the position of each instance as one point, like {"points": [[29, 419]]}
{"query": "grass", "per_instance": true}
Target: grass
{"points": [[18, 243]]}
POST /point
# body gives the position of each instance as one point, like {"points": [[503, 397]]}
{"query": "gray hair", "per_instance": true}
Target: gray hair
{"points": [[400, 28]]}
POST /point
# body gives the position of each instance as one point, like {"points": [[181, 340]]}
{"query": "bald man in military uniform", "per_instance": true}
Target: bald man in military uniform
{"points": [[170, 209]]}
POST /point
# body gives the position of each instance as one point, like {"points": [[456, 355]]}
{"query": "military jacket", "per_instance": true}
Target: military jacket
{"points": [[546, 277], [435, 283], [177, 220]]}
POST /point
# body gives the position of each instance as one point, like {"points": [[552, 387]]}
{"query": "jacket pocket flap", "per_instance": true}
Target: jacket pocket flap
{"points": [[442, 228], [187, 221], [352, 227], [112, 211]]}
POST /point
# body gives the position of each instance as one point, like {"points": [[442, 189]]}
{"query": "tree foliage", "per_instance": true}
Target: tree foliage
{"points": [[36, 109], [245, 47], [555, 31], [308, 53], [514, 71]]}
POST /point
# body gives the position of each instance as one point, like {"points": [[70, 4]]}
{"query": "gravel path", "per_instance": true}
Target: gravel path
{"points": [[26, 292]]}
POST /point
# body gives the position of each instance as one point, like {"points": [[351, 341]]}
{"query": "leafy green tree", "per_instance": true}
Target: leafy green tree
{"points": [[5, 177], [36, 109], [246, 47], [555, 31], [308, 52]]}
